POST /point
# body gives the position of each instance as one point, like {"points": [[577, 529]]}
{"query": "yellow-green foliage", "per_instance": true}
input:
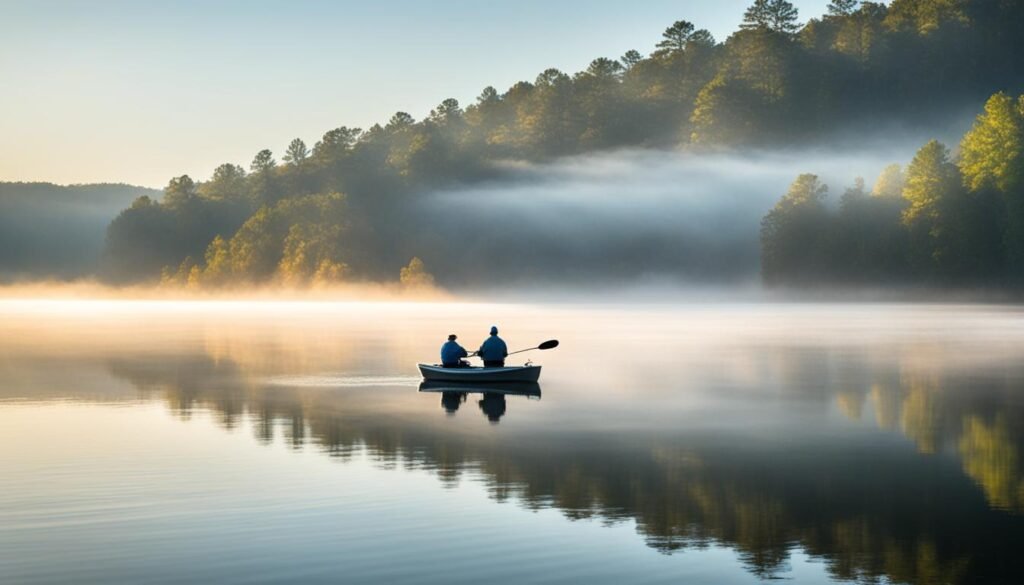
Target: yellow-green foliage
{"points": [[309, 256], [723, 114], [890, 183], [297, 241], [920, 413], [991, 457], [762, 58], [958, 220], [992, 152], [931, 179], [992, 160], [860, 32], [926, 16], [218, 263], [329, 272], [177, 276], [415, 275]]}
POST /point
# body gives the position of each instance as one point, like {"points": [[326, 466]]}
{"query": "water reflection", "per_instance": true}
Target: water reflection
{"points": [[493, 406], [872, 510], [493, 401], [451, 401], [901, 462]]}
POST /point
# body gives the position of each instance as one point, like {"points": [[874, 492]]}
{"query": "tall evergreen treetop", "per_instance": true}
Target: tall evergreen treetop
{"points": [[631, 58], [296, 152], [446, 112], [702, 37], [489, 95], [227, 182], [336, 142], [775, 15], [263, 161], [675, 37], [604, 68], [400, 121], [179, 190], [842, 7]]}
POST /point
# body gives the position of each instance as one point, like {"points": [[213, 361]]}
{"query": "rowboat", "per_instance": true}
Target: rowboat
{"points": [[480, 375]]}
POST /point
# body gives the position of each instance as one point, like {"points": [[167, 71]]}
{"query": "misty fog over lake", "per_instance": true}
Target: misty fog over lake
{"points": [[615, 216]]}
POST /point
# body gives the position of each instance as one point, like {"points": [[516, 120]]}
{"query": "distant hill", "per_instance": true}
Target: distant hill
{"points": [[57, 231]]}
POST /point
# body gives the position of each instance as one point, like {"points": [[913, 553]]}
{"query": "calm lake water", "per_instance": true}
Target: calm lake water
{"points": [[158, 442]]}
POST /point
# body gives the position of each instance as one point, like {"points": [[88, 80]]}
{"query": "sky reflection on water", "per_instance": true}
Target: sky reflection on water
{"points": [[716, 443]]}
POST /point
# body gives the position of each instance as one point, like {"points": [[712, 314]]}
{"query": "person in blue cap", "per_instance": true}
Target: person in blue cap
{"points": [[452, 354], [493, 351]]}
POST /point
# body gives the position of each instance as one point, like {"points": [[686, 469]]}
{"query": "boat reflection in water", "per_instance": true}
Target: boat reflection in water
{"points": [[492, 403]]}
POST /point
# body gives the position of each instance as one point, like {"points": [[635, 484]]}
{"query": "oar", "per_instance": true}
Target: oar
{"points": [[551, 344]]}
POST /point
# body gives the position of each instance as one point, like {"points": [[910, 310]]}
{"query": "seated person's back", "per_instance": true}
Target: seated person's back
{"points": [[494, 351], [452, 353]]}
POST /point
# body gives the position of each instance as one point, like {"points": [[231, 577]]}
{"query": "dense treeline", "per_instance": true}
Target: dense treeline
{"points": [[945, 219], [772, 82]]}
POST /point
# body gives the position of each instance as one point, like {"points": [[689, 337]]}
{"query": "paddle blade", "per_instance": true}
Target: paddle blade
{"points": [[552, 344]]}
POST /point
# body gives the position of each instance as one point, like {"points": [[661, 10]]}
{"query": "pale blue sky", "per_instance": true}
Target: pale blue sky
{"points": [[140, 91]]}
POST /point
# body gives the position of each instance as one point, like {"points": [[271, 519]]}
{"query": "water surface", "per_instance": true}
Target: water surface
{"points": [[719, 443]]}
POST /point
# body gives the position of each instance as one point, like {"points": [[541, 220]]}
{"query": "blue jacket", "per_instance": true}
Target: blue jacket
{"points": [[451, 353], [494, 349]]}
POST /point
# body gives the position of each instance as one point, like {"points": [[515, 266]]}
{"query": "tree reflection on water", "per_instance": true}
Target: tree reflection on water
{"points": [[872, 509]]}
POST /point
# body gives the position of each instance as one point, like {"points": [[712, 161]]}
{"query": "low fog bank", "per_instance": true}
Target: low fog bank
{"points": [[92, 290], [653, 291], [671, 217], [645, 292], [56, 231]]}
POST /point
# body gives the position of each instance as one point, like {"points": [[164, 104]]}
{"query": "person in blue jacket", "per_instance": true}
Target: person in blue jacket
{"points": [[493, 351], [452, 353]]}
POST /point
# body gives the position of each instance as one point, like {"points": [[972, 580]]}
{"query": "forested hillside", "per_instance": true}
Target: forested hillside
{"points": [[341, 209], [57, 231], [943, 220]]}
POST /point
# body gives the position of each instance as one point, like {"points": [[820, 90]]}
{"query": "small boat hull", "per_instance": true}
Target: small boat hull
{"points": [[480, 375]]}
